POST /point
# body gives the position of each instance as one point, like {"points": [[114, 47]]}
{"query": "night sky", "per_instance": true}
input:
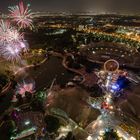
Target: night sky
{"points": [[121, 6]]}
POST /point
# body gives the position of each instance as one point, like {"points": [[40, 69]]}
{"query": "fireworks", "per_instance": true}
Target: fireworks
{"points": [[9, 33], [12, 51], [12, 42], [24, 87], [5, 27], [14, 36], [22, 15]]}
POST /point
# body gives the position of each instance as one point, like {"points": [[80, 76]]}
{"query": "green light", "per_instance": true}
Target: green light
{"points": [[28, 4]]}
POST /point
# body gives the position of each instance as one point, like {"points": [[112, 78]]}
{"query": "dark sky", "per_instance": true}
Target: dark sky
{"points": [[121, 6]]}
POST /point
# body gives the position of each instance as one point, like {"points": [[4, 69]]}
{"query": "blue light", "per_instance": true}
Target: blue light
{"points": [[112, 90], [115, 87], [123, 82]]}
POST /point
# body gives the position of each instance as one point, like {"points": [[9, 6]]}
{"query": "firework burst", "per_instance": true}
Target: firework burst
{"points": [[22, 15], [9, 33], [24, 87], [14, 36], [5, 27], [10, 51], [12, 42]]}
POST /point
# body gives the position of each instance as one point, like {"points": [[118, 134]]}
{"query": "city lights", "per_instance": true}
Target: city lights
{"points": [[67, 73]]}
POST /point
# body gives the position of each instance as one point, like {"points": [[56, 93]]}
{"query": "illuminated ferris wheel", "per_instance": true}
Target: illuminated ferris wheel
{"points": [[111, 65]]}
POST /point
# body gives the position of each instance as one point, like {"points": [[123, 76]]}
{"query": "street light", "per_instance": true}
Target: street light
{"points": [[132, 138], [27, 122], [89, 138]]}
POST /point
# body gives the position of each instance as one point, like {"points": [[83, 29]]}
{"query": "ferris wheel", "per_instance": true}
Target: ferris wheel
{"points": [[111, 65]]}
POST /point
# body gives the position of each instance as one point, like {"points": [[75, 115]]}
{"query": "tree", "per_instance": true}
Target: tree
{"points": [[28, 96], [20, 99], [110, 135], [52, 123], [70, 136]]}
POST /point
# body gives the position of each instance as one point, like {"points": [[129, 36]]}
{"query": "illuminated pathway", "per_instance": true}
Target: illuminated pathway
{"points": [[106, 120]]}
